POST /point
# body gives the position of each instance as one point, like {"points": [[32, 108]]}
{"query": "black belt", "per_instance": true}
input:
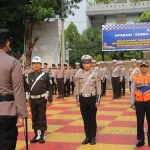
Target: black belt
{"points": [[6, 98]]}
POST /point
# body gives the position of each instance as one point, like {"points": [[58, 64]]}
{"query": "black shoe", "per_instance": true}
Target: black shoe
{"points": [[140, 143], [93, 141], [41, 140], [35, 139], [148, 142], [86, 141], [59, 97]]}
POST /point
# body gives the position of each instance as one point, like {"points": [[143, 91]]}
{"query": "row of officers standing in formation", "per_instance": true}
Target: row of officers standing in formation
{"points": [[63, 77], [38, 89]]}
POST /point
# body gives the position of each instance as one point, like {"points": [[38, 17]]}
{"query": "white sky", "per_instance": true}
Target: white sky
{"points": [[79, 19]]}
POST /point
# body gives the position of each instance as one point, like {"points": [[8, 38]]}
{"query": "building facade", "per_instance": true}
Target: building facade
{"points": [[115, 12]]}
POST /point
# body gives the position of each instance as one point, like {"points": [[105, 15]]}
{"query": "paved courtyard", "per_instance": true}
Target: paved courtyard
{"points": [[115, 119]]}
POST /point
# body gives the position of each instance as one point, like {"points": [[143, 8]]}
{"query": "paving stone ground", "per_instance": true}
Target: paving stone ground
{"points": [[115, 119]]}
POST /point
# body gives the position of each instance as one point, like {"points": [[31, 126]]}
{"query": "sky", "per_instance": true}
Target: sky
{"points": [[80, 18]]}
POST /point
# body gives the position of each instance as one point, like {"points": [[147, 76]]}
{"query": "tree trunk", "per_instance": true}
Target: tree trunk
{"points": [[29, 41]]}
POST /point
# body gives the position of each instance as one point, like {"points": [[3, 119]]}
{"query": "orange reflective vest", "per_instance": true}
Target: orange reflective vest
{"points": [[142, 88]]}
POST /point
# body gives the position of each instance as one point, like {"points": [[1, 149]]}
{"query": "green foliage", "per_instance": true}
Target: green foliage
{"points": [[145, 17], [14, 14], [89, 42]]}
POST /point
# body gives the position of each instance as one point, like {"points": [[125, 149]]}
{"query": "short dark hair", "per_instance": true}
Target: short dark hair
{"points": [[53, 65], [3, 43], [59, 64]]}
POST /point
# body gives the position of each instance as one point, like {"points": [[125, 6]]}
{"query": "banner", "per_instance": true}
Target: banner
{"points": [[126, 37]]}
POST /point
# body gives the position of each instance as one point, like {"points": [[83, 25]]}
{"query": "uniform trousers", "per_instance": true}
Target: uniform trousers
{"points": [[8, 132], [115, 86], [122, 87], [142, 108], [38, 111], [88, 110], [54, 87], [130, 85], [72, 85], [67, 87], [103, 83], [60, 86]]}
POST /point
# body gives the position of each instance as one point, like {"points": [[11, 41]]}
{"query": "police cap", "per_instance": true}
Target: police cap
{"points": [[98, 63], [114, 61], [139, 61], [144, 63], [27, 64], [102, 62], [93, 61], [133, 60], [65, 65], [86, 58], [36, 59], [77, 64]]}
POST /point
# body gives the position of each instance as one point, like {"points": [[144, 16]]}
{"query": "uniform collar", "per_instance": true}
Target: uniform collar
{"points": [[2, 51], [146, 74]]}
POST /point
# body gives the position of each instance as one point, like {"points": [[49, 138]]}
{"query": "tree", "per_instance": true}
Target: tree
{"points": [[89, 42], [145, 17], [31, 12]]}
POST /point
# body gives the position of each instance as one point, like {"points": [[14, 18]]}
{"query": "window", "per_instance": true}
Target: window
{"points": [[121, 18]]}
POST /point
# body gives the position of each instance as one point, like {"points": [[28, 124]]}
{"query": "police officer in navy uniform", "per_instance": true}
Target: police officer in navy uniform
{"points": [[140, 101], [12, 97], [39, 93], [88, 90]]}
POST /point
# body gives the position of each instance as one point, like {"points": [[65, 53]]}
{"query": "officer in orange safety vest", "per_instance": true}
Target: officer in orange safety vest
{"points": [[140, 100]]}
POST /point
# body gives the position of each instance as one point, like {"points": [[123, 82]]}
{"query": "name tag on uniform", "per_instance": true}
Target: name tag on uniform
{"points": [[81, 78], [92, 77]]}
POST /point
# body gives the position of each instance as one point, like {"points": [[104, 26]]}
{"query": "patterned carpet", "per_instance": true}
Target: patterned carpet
{"points": [[115, 119]]}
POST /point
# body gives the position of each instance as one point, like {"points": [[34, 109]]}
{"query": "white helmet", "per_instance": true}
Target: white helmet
{"points": [[36, 59]]}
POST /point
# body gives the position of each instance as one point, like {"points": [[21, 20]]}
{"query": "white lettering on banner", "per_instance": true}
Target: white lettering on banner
{"points": [[134, 34]]}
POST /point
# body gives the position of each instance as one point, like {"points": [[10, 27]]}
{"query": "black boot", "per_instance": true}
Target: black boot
{"points": [[35, 138], [148, 142], [42, 139], [62, 96], [93, 141], [86, 141], [59, 96], [140, 143]]}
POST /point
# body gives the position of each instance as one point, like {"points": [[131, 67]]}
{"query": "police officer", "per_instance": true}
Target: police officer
{"points": [[105, 75], [124, 75], [60, 81], [77, 69], [46, 69], [115, 79], [72, 78], [67, 79], [93, 65], [132, 71], [88, 90], [53, 74], [138, 63], [39, 93], [12, 97], [140, 101], [27, 69]]}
